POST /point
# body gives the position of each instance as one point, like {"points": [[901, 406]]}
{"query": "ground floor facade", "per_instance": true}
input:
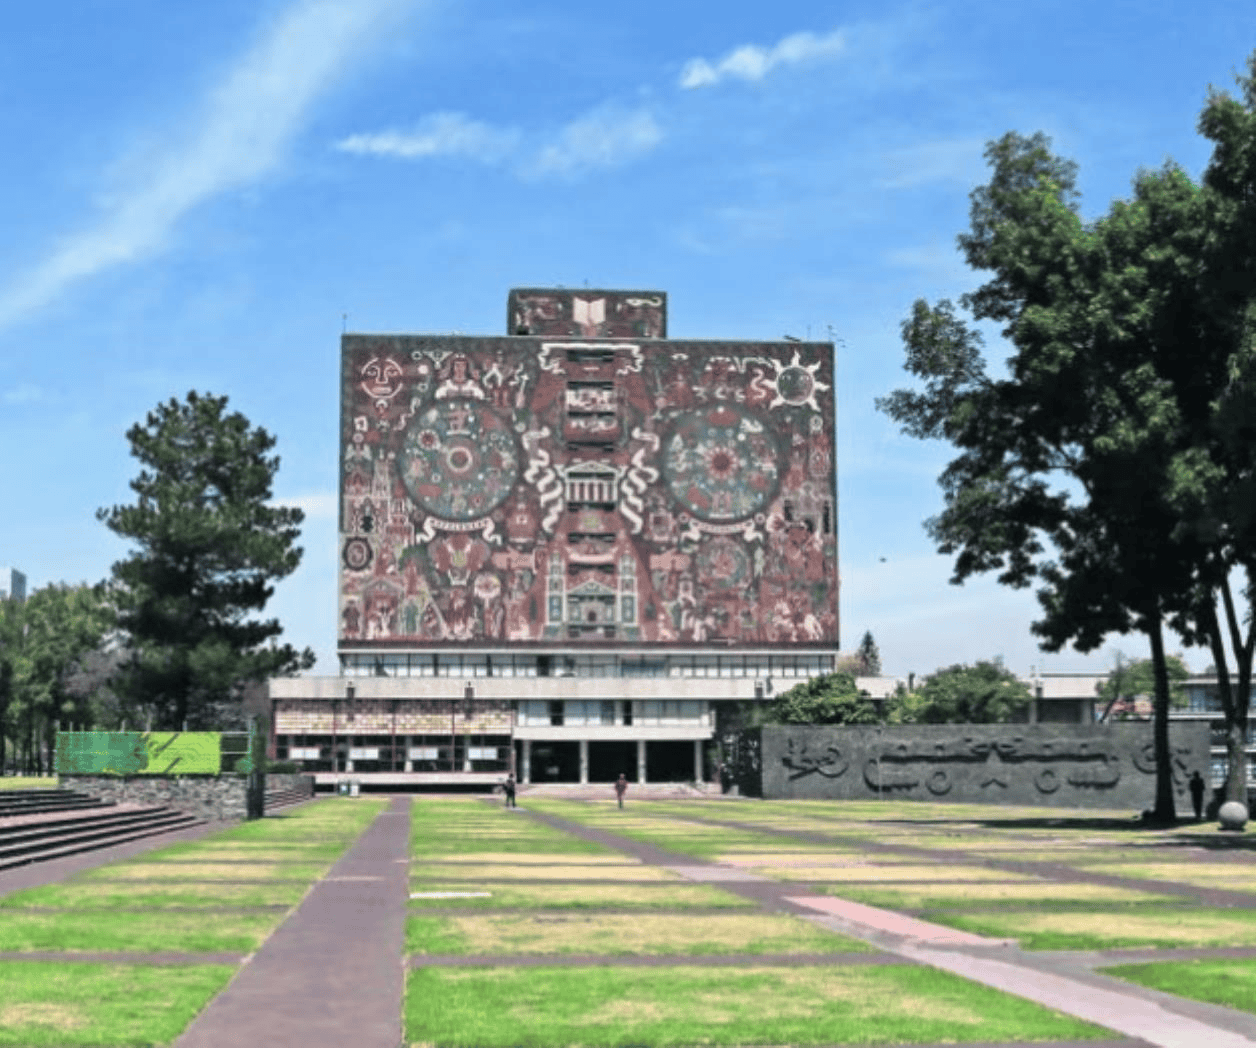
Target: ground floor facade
{"points": [[434, 731]]}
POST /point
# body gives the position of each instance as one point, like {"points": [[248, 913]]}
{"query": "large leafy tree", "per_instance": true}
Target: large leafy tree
{"points": [[831, 699], [1131, 679], [984, 693], [209, 546], [1105, 465], [44, 643]]}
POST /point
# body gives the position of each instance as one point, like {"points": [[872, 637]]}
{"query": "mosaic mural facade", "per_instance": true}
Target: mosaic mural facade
{"points": [[542, 491], [558, 312]]}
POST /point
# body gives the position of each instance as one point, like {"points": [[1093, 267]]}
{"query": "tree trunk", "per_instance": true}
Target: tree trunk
{"points": [[1163, 813]]}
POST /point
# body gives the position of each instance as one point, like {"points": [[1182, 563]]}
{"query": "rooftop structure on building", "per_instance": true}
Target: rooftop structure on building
{"points": [[12, 584], [564, 549]]}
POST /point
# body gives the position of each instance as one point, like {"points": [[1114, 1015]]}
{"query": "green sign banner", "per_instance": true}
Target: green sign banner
{"points": [[139, 752]]}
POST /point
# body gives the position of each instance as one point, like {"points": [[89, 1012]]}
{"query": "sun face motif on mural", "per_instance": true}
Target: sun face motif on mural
{"points": [[381, 378], [720, 464], [459, 460], [796, 383]]}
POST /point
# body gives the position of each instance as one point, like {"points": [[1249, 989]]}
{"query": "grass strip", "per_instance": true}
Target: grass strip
{"points": [[623, 934], [27, 782], [47, 1004], [542, 1007], [586, 896], [105, 896], [1099, 929], [1230, 983], [139, 932], [467, 827]]}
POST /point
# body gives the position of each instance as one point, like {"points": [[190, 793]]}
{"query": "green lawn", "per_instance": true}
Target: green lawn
{"points": [[1230, 982], [91, 930], [593, 1007], [139, 894], [66, 1005]]}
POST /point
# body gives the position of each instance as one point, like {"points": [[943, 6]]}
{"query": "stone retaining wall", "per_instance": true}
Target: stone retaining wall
{"points": [[205, 796]]}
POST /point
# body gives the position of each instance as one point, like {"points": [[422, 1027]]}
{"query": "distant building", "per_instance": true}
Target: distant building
{"points": [[562, 550], [12, 584]]}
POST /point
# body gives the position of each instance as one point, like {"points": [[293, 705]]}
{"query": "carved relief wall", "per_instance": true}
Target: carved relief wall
{"points": [[537, 491], [1075, 766]]}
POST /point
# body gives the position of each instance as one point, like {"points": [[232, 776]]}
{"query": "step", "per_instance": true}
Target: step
{"points": [[45, 806], [15, 844], [106, 818], [78, 847]]}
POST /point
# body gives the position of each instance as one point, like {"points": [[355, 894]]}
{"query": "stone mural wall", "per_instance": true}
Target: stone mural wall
{"points": [[1074, 766], [530, 491]]}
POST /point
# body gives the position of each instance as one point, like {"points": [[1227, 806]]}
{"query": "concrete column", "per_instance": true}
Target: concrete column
{"points": [[697, 760], [641, 761], [584, 762], [525, 776]]}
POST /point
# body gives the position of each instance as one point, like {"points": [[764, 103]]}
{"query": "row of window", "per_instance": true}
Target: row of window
{"points": [[458, 664], [608, 713]]}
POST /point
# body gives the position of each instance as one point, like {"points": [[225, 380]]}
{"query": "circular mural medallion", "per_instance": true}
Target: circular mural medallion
{"points": [[724, 564], [795, 385], [357, 554], [720, 463], [459, 460]]}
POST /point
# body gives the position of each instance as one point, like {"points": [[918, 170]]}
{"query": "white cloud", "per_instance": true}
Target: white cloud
{"points": [[240, 135], [753, 62], [604, 137], [439, 134]]}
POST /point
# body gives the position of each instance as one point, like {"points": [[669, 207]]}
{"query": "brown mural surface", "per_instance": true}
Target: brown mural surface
{"points": [[534, 491]]}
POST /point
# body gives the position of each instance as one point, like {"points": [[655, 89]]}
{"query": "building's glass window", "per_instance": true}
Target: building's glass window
{"points": [[556, 714], [608, 712]]}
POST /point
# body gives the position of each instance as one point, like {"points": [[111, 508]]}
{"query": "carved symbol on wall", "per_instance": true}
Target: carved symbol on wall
{"points": [[995, 773], [939, 783], [1047, 781], [829, 762], [1145, 761], [1101, 776], [880, 777]]}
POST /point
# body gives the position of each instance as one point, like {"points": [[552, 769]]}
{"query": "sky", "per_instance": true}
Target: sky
{"points": [[204, 196]]}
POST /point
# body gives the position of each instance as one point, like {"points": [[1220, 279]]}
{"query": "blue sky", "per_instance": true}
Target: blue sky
{"points": [[201, 196]]}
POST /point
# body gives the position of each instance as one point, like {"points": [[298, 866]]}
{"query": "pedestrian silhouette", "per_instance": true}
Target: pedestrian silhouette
{"points": [[1196, 786]]}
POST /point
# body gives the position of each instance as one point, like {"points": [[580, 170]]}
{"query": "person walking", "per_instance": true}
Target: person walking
{"points": [[1196, 786], [621, 787], [510, 792]]}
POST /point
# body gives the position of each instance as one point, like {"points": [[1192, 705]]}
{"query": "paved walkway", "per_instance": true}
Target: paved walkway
{"points": [[1146, 1016], [331, 974]]}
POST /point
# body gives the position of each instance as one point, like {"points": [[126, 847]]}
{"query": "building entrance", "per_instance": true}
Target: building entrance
{"points": [[555, 762], [608, 759], [669, 760]]}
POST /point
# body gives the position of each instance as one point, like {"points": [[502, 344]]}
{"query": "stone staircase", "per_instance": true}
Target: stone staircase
{"points": [[61, 822]]}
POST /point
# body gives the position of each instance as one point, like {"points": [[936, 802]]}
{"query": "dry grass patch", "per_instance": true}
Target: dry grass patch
{"points": [[905, 872], [1239, 876], [616, 934], [1020, 894], [587, 896], [89, 930], [1104, 930], [57, 1017], [555, 872], [203, 871], [529, 859]]}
